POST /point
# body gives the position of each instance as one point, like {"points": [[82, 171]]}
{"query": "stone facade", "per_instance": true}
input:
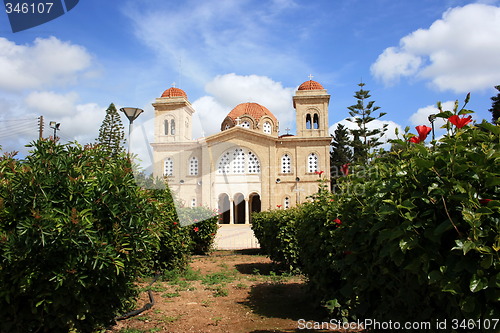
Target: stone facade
{"points": [[247, 166]]}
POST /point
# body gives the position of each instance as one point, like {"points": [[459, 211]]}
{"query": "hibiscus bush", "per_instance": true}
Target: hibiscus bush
{"points": [[276, 233], [75, 233], [201, 224], [414, 235]]}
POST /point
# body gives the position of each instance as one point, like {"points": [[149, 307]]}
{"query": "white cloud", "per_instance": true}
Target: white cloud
{"points": [[389, 134], [51, 104], [212, 36], [458, 52], [47, 62], [229, 90], [421, 117]]}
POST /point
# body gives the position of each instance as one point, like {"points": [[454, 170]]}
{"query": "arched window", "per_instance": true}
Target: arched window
{"points": [[286, 203], [172, 127], [308, 121], [286, 164], [224, 163], [165, 125], [312, 163], [168, 167], [193, 166], [253, 163], [316, 121], [245, 124], [267, 127], [238, 161]]}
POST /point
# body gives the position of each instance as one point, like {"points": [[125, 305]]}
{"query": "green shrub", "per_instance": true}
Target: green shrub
{"points": [[202, 225], [414, 235], [75, 233], [276, 233], [174, 251]]}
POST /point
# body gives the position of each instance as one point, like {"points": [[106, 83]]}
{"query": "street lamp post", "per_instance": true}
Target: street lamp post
{"points": [[431, 118], [132, 114], [55, 126]]}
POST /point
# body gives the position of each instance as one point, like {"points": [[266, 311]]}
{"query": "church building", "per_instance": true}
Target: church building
{"points": [[247, 166]]}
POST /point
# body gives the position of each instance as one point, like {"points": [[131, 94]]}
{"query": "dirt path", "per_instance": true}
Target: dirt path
{"points": [[226, 292]]}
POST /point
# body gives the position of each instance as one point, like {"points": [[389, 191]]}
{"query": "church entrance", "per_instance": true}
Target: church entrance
{"points": [[224, 208], [255, 204], [239, 209]]}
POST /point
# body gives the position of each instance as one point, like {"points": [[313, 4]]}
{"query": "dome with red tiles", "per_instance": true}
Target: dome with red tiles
{"points": [[311, 85], [174, 92], [252, 109]]}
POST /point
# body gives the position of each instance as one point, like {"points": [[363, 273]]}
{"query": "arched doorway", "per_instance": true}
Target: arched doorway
{"points": [[224, 208], [255, 204], [239, 208]]}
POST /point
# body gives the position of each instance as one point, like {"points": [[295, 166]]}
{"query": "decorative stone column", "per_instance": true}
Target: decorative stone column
{"points": [[231, 211], [247, 211]]}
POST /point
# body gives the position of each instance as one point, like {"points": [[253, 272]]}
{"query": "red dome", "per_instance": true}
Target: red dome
{"points": [[252, 109], [311, 85], [174, 92]]}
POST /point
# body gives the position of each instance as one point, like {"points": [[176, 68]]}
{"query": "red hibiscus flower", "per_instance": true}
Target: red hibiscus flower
{"points": [[196, 229], [345, 169], [279, 206], [319, 172], [460, 121], [422, 131], [484, 202], [337, 221], [175, 223]]}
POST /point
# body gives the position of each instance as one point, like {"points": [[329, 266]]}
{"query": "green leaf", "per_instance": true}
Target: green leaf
{"points": [[478, 283], [424, 164]]}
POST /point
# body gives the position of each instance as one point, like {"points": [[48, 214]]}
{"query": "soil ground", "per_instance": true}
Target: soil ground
{"points": [[227, 291]]}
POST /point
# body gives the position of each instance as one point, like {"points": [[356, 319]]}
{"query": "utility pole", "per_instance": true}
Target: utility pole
{"points": [[40, 127]]}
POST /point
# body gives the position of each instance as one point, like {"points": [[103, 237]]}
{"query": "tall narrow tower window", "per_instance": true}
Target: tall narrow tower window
{"points": [[286, 164], [165, 125], [308, 121], [169, 167], [193, 166], [316, 121], [312, 163], [172, 127]]}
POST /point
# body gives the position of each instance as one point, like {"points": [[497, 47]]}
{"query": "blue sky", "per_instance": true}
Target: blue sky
{"points": [[410, 54]]}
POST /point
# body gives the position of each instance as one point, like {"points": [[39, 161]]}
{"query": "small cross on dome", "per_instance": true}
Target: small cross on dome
{"points": [[310, 77], [174, 84]]}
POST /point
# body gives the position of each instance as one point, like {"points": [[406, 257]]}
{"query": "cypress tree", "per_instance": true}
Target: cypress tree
{"points": [[341, 152], [111, 133], [361, 114], [495, 107]]}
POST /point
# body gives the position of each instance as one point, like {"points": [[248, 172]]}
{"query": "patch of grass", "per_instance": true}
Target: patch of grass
{"points": [[206, 303], [218, 278], [184, 286], [220, 291], [241, 286], [192, 275], [170, 295], [154, 330], [143, 318], [216, 320], [169, 319]]}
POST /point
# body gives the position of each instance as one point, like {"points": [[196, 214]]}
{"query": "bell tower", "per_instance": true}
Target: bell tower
{"points": [[173, 117], [311, 109]]}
